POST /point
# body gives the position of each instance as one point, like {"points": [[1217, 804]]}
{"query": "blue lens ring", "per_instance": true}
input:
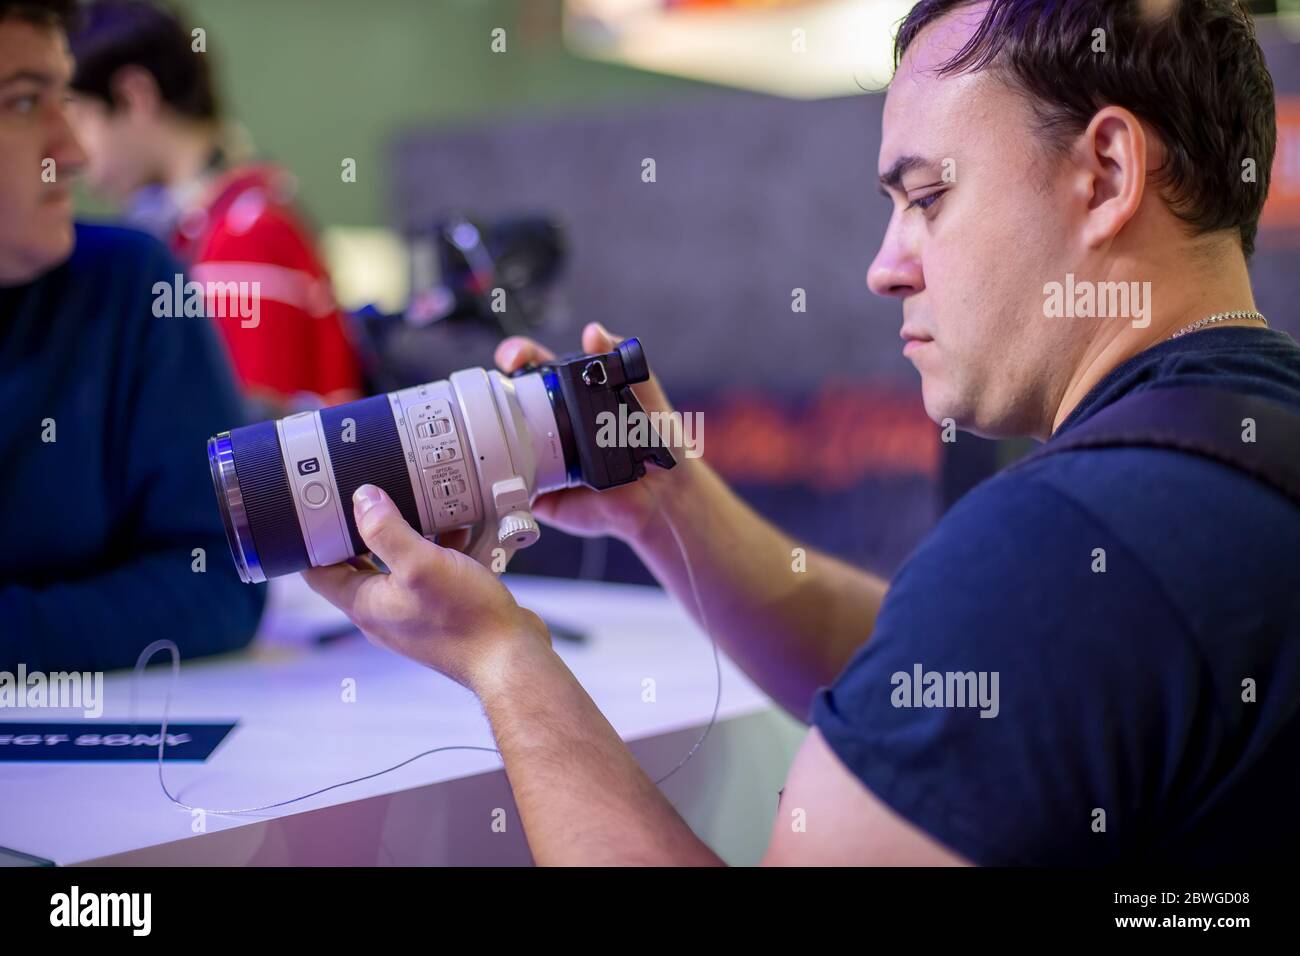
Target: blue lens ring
{"points": [[563, 425], [239, 536]]}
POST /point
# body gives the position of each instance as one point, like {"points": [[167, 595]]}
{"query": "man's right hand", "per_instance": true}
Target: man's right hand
{"points": [[790, 632], [624, 512]]}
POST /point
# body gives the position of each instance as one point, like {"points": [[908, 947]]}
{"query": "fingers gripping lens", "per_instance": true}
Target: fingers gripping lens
{"points": [[364, 446]]}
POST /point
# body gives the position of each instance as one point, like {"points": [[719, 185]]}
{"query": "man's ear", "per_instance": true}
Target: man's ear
{"points": [[135, 93], [1112, 172]]}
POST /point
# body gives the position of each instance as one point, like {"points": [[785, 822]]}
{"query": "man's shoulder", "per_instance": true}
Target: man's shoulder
{"points": [[99, 241], [1019, 513], [1044, 535], [119, 254], [1140, 493], [1059, 501], [1123, 486], [1076, 542]]}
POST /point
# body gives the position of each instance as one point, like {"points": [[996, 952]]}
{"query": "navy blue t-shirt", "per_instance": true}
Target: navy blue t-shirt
{"points": [[107, 514], [1144, 713]]}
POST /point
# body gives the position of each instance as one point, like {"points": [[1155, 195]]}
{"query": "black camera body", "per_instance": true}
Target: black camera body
{"points": [[588, 388]]}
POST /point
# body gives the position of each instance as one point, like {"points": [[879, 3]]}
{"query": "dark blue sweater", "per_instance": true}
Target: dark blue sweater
{"points": [[98, 528]]}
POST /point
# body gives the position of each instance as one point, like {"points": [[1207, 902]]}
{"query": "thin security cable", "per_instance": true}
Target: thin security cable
{"points": [[147, 654]]}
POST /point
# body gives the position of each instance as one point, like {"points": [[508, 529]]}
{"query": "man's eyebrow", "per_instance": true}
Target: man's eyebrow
{"points": [[27, 76], [893, 177]]}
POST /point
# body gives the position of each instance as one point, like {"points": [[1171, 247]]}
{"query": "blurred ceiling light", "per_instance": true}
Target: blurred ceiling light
{"points": [[796, 48], [368, 266]]}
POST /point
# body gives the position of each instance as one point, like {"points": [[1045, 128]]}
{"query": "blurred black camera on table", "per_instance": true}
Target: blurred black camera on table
{"points": [[473, 283]]}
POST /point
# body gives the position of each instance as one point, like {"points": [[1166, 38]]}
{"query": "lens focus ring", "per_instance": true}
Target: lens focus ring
{"points": [[372, 455], [268, 502]]}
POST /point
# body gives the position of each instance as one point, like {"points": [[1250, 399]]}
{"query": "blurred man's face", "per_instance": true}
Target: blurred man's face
{"points": [[118, 146], [970, 259], [39, 156]]}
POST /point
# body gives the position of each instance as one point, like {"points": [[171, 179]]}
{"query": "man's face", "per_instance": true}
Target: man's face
{"points": [[970, 259], [118, 145], [39, 156]]}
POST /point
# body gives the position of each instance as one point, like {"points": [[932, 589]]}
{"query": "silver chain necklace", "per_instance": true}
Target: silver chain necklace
{"points": [[1215, 319]]}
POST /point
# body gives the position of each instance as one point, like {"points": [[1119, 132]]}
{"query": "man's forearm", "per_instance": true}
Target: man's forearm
{"points": [[790, 621], [583, 798]]}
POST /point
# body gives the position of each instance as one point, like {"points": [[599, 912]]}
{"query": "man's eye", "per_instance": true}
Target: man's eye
{"points": [[925, 202], [22, 104]]}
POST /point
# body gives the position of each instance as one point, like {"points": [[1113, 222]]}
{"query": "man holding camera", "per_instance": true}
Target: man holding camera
{"points": [[1138, 607]]}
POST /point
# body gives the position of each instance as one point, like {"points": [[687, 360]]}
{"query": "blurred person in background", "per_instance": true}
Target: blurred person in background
{"points": [[146, 109], [108, 534]]}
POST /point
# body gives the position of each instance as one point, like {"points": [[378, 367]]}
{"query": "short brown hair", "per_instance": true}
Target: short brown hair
{"points": [[45, 13], [1194, 71], [150, 35]]}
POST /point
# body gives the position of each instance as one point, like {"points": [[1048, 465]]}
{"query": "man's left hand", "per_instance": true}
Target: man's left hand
{"points": [[437, 606]]}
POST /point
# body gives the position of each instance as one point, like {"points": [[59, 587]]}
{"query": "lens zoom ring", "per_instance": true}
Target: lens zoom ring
{"points": [[375, 456], [259, 466]]}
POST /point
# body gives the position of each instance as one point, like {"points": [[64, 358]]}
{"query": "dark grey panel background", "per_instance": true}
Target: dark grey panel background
{"points": [[754, 197]]}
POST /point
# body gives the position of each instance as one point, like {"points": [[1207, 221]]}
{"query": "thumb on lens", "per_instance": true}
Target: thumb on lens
{"points": [[385, 531]]}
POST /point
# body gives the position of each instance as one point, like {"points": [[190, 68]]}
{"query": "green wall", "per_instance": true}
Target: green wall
{"points": [[315, 81]]}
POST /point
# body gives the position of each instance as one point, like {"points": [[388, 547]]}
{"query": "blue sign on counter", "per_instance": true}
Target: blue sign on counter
{"points": [[21, 741]]}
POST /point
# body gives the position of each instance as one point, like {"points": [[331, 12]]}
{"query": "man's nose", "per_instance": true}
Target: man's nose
{"points": [[896, 270], [63, 146]]}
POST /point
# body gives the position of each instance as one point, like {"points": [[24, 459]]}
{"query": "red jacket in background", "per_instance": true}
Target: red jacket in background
{"points": [[248, 232]]}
